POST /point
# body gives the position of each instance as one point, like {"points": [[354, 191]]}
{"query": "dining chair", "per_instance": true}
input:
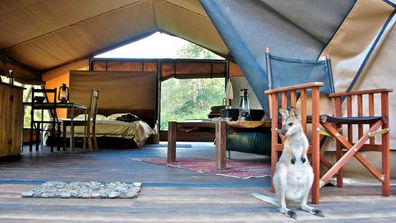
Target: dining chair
{"points": [[89, 123], [290, 83], [41, 101]]}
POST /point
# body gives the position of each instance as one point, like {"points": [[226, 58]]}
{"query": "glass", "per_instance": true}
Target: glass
{"points": [[244, 110]]}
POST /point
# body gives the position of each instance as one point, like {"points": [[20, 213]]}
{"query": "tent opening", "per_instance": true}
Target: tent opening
{"points": [[181, 95]]}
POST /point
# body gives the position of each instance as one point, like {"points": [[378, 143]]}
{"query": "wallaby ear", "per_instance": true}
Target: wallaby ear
{"points": [[294, 112], [285, 113]]}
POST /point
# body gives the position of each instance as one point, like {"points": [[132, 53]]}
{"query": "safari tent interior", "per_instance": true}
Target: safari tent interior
{"points": [[50, 42]]}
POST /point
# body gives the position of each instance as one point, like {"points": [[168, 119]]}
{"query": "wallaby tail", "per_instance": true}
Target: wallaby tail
{"points": [[270, 200]]}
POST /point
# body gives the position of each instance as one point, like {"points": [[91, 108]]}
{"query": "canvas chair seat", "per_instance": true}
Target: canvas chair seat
{"points": [[351, 120]]}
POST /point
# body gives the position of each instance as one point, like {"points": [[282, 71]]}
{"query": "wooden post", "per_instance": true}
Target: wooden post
{"points": [[315, 146], [172, 141], [221, 145], [274, 134], [385, 146]]}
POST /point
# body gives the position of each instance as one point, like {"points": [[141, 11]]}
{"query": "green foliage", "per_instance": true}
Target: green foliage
{"points": [[193, 51], [183, 99]]}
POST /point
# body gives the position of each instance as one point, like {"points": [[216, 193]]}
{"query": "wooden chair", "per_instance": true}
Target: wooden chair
{"points": [[89, 123], [40, 102], [314, 143], [288, 96], [377, 124]]}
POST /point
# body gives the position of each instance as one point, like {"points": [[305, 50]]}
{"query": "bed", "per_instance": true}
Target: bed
{"points": [[130, 133]]}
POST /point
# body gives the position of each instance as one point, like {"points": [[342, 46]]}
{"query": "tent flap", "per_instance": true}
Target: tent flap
{"points": [[248, 27]]}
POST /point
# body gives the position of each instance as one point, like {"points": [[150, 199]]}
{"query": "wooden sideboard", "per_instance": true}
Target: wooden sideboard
{"points": [[11, 119]]}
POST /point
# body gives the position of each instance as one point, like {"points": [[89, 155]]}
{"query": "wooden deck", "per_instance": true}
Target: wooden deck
{"points": [[168, 194]]}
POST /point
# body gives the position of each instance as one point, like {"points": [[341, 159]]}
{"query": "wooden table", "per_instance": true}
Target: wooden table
{"points": [[50, 105], [220, 131]]}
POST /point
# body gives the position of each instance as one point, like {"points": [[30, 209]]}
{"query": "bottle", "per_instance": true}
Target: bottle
{"points": [[10, 77]]}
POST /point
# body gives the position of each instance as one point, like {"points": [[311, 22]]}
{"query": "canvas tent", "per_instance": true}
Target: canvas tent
{"points": [[43, 39]]}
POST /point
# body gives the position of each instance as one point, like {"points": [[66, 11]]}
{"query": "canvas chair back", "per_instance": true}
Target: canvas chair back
{"points": [[283, 72]]}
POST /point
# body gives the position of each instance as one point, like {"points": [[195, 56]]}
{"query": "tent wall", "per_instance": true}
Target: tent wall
{"points": [[55, 78], [118, 89], [357, 41], [380, 75]]}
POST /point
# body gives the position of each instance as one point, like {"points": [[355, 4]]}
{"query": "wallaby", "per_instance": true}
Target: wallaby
{"points": [[293, 175]]}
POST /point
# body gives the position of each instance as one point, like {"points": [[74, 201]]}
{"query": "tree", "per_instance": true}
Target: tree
{"points": [[194, 51], [183, 99]]}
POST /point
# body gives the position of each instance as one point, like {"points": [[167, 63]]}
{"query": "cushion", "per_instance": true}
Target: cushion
{"points": [[98, 117], [115, 116]]}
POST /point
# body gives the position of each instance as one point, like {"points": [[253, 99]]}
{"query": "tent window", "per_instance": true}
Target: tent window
{"points": [[183, 99]]}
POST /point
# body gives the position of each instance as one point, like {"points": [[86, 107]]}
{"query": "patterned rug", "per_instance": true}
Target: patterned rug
{"points": [[235, 168]]}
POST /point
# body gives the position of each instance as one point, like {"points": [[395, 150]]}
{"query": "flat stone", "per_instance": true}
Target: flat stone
{"points": [[65, 195], [130, 195], [114, 194], [137, 184], [95, 195], [27, 194]]}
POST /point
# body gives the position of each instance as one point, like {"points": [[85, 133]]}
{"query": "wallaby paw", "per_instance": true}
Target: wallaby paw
{"points": [[303, 159], [291, 214], [317, 212], [293, 160]]}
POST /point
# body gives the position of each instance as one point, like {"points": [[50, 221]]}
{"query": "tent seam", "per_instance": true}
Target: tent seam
{"points": [[335, 33], [366, 59], [390, 3]]}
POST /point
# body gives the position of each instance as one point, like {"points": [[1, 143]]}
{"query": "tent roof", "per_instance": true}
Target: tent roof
{"points": [[39, 35]]}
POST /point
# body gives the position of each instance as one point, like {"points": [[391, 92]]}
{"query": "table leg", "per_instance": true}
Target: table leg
{"points": [[71, 130], [172, 142], [221, 144]]}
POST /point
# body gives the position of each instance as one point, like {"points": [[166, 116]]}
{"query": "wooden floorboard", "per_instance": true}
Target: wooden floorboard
{"points": [[168, 194]]}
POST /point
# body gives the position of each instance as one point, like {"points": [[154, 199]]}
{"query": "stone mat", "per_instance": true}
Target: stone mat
{"points": [[84, 190]]}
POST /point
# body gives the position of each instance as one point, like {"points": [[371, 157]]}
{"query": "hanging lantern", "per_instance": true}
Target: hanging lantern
{"points": [[63, 95], [244, 110]]}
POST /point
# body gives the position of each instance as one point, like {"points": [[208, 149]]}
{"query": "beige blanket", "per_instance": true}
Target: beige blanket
{"points": [[139, 131]]}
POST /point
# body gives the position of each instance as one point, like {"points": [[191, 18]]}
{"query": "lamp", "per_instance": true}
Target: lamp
{"points": [[63, 94], [244, 110], [10, 77]]}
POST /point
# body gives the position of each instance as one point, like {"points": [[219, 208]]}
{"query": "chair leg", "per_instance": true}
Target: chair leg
{"points": [[340, 175], [89, 138], [53, 134], [38, 136], [385, 164], [64, 137], [31, 137], [58, 135], [95, 142]]}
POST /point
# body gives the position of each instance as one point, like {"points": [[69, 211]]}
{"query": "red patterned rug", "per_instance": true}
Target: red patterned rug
{"points": [[235, 168]]}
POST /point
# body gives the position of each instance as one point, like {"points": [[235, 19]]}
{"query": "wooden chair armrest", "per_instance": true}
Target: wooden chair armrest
{"points": [[295, 87], [362, 92]]}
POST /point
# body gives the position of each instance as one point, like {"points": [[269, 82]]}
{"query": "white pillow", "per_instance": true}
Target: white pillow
{"points": [[115, 116], [98, 117]]}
